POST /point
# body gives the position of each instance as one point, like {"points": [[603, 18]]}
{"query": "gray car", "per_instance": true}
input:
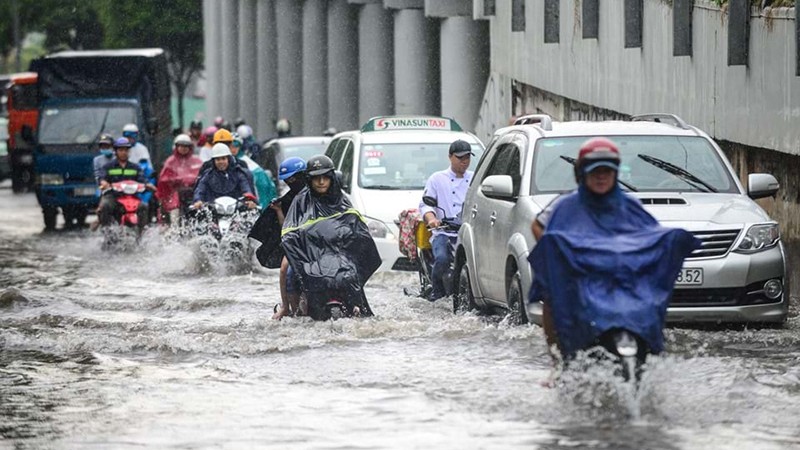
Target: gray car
{"points": [[679, 174]]}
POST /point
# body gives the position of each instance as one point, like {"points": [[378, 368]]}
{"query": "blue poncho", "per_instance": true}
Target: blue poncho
{"points": [[604, 262]]}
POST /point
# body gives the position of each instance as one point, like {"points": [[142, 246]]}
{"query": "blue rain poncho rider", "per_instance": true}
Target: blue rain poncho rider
{"points": [[603, 261], [327, 241]]}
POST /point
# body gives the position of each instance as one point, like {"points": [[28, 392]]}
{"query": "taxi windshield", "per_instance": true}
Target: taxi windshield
{"points": [[404, 166], [649, 164]]}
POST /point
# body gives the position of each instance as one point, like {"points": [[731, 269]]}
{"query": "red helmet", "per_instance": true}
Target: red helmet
{"points": [[594, 153]]}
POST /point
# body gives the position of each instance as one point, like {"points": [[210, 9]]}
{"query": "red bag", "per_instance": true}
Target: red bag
{"points": [[409, 219]]}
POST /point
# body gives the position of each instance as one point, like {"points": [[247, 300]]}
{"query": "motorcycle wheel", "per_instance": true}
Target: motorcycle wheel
{"points": [[336, 312], [463, 300], [516, 301]]}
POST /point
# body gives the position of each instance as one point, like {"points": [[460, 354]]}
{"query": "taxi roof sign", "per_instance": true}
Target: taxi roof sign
{"points": [[411, 123]]}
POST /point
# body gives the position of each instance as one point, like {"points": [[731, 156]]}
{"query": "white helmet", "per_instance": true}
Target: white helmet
{"points": [[219, 150], [282, 126], [244, 131], [183, 139], [130, 127]]}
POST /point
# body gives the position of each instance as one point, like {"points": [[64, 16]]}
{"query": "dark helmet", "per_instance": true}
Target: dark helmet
{"points": [[319, 165], [239, 122], [594, 153], [106, 139], [196, 125], [291, 166]]}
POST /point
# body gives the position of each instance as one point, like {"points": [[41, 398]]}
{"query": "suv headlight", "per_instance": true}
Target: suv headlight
{"points": [[377, 228], [51, 178], [759, 237]]}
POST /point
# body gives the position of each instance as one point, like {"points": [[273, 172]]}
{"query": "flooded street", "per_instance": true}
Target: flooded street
{"points": [[145, 349]]}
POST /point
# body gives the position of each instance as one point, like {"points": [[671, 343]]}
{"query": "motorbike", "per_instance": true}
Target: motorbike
{"points": [[627, 350], [127, 197], [424, 253], [331, 305], [222, 227]]}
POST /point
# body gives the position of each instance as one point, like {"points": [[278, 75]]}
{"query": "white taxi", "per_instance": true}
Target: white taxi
{"points": [[384, 168]]}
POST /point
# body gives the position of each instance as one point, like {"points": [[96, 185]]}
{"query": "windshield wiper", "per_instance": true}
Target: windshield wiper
{"points": [[679, 172], [102, 126], [384, 187], [628, 186]]}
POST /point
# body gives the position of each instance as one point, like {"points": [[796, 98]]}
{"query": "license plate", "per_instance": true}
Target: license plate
{"points": [[85, 191], [693, 277]]}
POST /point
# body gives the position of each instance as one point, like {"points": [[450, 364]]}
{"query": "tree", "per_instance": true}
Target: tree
{"points": [[174, 25]]}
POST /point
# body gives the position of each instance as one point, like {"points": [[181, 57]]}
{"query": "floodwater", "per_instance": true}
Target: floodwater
{"points": [[146, 349]]}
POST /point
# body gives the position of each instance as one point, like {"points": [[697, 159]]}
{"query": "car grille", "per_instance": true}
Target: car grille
{"points": [[404, 263], [751, 294], [662, 201], [715, 242]]}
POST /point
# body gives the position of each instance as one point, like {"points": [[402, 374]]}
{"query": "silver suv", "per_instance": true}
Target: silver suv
{"points": [[679, 174]]}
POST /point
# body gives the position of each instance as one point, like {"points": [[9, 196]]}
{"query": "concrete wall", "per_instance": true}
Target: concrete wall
{"points": [[756, 105]]}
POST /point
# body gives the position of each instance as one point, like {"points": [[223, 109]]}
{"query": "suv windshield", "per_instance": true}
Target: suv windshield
{"points": [[404, 166], [83, 124], [553, 172]]}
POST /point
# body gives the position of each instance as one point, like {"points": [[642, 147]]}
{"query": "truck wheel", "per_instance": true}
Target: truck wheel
{"points": [[516, 301], [50, 215]]}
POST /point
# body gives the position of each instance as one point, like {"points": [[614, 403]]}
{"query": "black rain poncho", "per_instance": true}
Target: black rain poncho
{"points": [[267, 230], [329, 245]]}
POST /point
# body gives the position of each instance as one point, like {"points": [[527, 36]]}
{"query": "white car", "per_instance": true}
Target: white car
{"points": [[681, 177], [384, 168]]}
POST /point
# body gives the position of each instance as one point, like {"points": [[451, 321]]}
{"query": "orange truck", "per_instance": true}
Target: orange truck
{"points": [[23, 113]]}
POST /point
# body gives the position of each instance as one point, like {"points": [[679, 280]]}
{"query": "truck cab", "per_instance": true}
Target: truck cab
{"points": [[22, 110]]}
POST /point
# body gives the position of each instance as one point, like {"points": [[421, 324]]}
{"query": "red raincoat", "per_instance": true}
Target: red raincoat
{"points": [[180, 171]]}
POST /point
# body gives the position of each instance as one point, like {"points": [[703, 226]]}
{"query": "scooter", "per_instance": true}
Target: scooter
{"points": [[227, 221], [627, 350], [422, 238], [322, 306], [127, 196]]}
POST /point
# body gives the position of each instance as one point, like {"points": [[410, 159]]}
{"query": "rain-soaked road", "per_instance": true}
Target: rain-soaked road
{"points": [[145, 350]]}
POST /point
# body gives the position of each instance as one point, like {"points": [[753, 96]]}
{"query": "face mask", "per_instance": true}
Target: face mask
{"points": [[107, 152]]}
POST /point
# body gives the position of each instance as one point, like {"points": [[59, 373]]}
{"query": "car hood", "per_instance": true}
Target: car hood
{"points": [[385, 205]]}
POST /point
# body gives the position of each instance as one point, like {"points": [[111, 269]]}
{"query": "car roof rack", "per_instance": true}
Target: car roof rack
{"points": [[544, 121], [661, 118]]}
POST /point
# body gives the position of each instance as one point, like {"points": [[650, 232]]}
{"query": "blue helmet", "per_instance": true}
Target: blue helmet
{"points": [[290, 167]]}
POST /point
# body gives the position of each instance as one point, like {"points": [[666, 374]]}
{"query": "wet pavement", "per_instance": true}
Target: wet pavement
{"points": [[151, 349]]}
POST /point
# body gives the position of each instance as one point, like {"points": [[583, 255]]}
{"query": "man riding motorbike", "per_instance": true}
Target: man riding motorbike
{"points": [[329, 246], [449, 188], [225, 179], [267, 230], [120, 169], [178, 177], [603, 263]]}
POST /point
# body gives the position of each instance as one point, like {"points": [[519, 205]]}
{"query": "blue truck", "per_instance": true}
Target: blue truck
{"points": [[81, 95]]}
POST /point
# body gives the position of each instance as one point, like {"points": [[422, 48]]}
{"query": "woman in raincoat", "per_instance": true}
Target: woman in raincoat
{"points": [[178, 178]]}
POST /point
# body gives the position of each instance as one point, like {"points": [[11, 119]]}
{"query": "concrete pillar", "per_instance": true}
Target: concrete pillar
{"points": [[375, 62], [416, 63], [465, 68], [266, 70], [288, 18], [342, 65], [212, 54], [247, 62], [315, 67], [229, 72]]}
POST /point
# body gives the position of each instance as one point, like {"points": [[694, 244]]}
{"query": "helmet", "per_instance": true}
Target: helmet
{"points": [[594, 153], [196, 125], [219, 150], [283, 126], [237, 122], [209, 132], [131, 127], [319, 165], [226, 125], [223, 135], [237, 140], [183, 139], [244, 131], [218, 121], [105, 139], [329, 132], [122, 143], [291, 166]]}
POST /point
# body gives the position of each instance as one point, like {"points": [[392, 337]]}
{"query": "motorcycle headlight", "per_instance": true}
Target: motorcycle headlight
{"points": [[230, 209], [760, 237], [219, 208], [51, 178], [377, 228]]}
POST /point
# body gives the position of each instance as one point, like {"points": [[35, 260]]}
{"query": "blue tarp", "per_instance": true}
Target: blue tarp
{"points": [[603, 263]]}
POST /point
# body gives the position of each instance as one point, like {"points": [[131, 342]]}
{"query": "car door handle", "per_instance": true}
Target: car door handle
{"points": [[493, 218], [474, 211]]}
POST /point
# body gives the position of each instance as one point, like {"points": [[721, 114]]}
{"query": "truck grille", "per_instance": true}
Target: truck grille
{"points": [[715, 242]]}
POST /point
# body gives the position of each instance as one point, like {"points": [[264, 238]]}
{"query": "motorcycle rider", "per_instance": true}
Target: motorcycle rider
{"points": [[225, 179], [196, 133], [449, 188], [179, 174], [105, 145], [208, 141], [223, 136], [267, 230], [119, 169], [600, 235], [138, 150]]}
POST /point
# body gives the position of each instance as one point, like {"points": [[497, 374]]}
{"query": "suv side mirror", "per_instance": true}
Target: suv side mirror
{"points": [[760, 185], [498, 186], [27, 134]]}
